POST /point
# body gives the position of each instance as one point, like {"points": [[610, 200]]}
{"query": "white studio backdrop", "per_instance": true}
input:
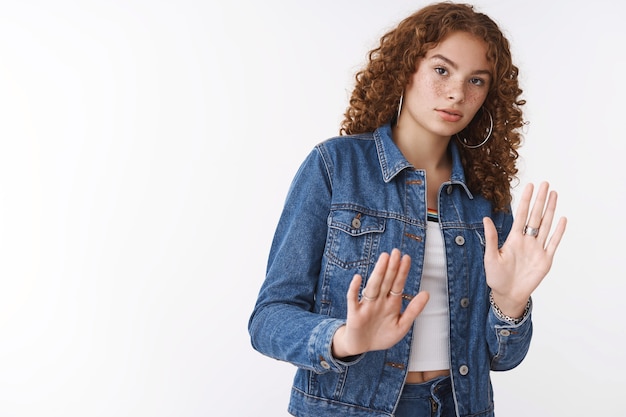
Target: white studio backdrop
{"points": [[146, 148]]}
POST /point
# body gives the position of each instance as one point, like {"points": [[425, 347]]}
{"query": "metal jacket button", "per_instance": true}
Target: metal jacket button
{"points": [[463, 370], [460, 240], [356, 223], [465, 302]]}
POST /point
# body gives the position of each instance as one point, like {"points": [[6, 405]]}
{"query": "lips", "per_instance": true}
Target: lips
{"points": [[450, 115]]}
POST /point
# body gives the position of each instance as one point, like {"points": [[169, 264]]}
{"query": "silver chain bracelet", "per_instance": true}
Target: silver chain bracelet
{"points": [[503, 316]]}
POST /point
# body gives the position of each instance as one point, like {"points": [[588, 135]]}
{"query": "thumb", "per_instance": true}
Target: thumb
{"points": [[353, 292], [414, 308], [491, 238]]}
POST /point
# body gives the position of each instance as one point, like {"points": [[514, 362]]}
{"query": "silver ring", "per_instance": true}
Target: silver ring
{"points": [[366, 298], [397, 294], [531, 231]]}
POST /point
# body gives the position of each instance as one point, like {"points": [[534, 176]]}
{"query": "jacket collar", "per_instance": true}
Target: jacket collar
{"points": [[392, 161]]}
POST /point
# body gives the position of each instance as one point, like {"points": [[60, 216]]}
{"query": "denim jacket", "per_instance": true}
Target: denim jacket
{"points": [[353, 198]]}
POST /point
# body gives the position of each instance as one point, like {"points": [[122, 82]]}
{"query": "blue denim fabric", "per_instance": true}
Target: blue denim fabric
{"points": [[430, 399], [353, 198]]}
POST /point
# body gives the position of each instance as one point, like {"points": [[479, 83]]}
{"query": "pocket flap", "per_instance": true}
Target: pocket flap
{"points": [[355, 222]]}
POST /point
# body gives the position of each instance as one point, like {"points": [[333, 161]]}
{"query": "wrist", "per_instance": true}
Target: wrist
{"points": [[512, 312], [337, 346]]}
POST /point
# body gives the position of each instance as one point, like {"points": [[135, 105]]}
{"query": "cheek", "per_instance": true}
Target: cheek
{"points": [[435, 87], [476, 98], [438, 88]]}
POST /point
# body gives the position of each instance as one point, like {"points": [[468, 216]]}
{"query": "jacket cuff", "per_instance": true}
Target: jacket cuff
{"points": [[509, 342], [320, 348]]}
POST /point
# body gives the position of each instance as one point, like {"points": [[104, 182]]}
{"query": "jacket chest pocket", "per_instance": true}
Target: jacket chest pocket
{"points": [[353, 238]]}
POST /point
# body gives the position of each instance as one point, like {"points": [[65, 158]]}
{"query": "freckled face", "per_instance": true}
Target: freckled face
{"points": [[448, 88]]}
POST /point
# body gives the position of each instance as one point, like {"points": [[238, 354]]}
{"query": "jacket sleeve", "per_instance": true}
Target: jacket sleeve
{"points": [[284, 324], [508, 343]]}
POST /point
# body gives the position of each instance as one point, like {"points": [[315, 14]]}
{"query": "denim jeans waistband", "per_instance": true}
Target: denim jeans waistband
{"points": [[435, 387]]}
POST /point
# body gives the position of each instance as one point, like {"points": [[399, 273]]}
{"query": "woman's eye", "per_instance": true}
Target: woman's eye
{"points": [[441, 71], [477, 81]]}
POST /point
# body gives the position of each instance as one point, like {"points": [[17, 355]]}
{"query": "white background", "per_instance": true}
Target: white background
{"points": [[146, 148]]}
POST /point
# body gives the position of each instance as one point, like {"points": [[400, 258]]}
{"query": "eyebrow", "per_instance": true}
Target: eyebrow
{"points": [[455, 66]]}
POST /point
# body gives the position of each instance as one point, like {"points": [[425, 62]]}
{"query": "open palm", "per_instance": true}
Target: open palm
{"points": [[516, 269]]}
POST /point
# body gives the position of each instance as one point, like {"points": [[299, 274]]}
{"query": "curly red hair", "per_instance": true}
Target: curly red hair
{"points": [[489, 169]]}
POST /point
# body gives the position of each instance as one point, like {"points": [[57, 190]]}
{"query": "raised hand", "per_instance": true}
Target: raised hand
{"points": [[376, 322], [516, 270]]}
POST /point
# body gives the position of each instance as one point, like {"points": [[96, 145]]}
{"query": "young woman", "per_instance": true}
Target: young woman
{"points": [[398, 278]]}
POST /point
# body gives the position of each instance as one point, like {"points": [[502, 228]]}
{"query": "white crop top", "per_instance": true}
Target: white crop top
{"points": [[431, 331]]}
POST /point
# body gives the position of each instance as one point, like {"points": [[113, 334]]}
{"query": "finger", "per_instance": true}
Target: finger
{"points": [[393, 268], [353, 292], [536, 215], [555, 239], [548, 217], [403, 273], [491, 238], [521, 215], [415, 307], [372, 288]]}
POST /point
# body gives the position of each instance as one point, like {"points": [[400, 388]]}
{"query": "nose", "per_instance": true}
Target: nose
{"points": [[456, 91]]}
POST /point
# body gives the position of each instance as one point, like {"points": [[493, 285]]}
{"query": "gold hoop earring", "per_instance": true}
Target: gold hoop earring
{"points": [[464, 140]]}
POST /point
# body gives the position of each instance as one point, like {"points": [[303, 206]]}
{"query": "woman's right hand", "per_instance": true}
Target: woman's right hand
{"points": [[376, 322]]}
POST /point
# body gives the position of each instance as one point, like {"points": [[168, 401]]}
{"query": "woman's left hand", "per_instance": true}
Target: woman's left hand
{"points": [[516, 269]]}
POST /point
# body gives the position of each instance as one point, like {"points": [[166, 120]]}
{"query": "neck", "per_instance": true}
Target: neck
{"points": [[421, 149]]}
